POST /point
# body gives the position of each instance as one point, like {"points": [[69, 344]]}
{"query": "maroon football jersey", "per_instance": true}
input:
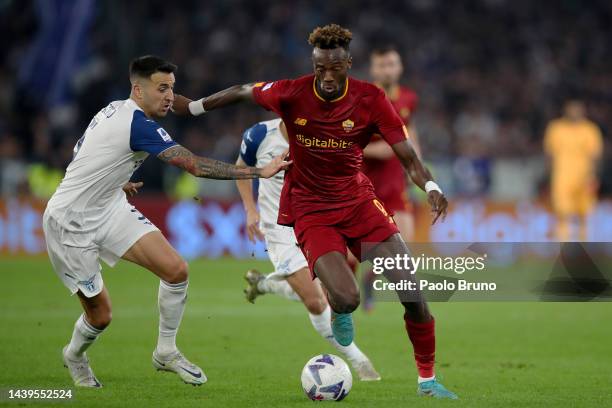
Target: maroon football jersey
{"points": [[326, 139], [388, 176]]}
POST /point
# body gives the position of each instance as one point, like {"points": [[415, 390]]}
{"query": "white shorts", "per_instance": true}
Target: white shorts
{"points": [[283, 250], [75, 256]]}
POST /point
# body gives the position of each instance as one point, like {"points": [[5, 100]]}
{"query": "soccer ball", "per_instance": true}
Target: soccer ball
{"points": [[326, 377]]}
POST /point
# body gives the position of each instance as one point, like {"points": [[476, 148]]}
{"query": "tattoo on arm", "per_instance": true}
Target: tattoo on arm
{"points": [[204, 167]]}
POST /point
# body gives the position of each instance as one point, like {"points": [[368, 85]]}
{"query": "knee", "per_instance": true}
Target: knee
{"points": [[100, 318], [178, 271], [346, 301], [315, 305], [417, 311]]}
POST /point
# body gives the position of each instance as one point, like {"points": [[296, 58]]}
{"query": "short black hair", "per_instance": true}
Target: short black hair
{"points": [[384, 49], [330, 36], [147, 65]]}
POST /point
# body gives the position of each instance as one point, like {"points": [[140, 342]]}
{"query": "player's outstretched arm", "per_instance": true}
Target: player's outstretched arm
{"points": [[245, 189], [234, 94], [422, 178], [214, 169]]}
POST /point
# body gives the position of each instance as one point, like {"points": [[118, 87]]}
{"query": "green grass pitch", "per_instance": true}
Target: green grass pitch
{"points": [[491, 354]]}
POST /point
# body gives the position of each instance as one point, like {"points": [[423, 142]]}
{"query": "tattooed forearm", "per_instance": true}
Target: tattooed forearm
{"points": [[204, 167]]}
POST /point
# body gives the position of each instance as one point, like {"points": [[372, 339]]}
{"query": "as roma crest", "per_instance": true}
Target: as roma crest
{"points": [[348, 125]]}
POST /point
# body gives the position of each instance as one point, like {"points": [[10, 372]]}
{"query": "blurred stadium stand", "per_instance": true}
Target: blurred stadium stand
{"points": [[490, 74]]}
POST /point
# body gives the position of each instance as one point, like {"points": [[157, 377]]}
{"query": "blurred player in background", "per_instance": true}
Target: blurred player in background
{"points": [[380, 164], [574, 145], [291, 277], [330, 118], [88, 218]]}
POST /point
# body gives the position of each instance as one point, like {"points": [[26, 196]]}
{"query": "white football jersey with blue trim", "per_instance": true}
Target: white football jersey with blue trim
{"points": [[260, 144], [117, 141]]}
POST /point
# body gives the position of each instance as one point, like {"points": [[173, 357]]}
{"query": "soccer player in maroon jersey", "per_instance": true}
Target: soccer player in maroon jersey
{"points": [[380, 163], [330, 117]]}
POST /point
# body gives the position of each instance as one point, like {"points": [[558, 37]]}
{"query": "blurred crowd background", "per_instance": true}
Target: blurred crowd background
{"points": [[490, 74]]}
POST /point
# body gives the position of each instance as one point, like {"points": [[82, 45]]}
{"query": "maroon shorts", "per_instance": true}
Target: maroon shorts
{"points": [[325, 231]]}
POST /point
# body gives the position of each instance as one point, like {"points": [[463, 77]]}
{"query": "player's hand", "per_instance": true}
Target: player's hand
{"points": [[132, 188], [277, 164], [252, 226], [438, 204], [180, 106]]}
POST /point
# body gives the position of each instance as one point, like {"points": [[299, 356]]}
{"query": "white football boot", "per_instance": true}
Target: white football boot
{"points": [[177, 363], [365, 370], [253, 277], [80, 371]]}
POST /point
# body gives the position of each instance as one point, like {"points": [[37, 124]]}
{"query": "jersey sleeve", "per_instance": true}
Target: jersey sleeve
{"points": [[146, 135], [270, 95], [386, 120], [251, 140]]}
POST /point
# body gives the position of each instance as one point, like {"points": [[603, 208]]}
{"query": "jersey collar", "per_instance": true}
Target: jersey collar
{"points": [[134, 104], [314, 89]]}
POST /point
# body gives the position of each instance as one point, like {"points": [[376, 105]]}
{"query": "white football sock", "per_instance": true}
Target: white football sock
{"points": [[279, 287], [83, 335], [425, 379], [322, 324], [171, 301]]}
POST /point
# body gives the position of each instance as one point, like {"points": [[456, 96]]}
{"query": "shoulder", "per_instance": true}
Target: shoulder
{"points": [[591, 125], [366, 93], [251, 140], [148, 135], [142, 125], [556, 124], [255, 134], [271, 125], [408, 93], [365, 88], [285, 85], [305, 81]]}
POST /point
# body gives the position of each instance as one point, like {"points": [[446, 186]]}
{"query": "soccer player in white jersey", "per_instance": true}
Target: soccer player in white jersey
{"points": [[89, 218], [291, 278]]}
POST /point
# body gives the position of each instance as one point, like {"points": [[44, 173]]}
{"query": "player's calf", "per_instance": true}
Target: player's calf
{"points": [[315, 305], [309, 291], [74, 356]]}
